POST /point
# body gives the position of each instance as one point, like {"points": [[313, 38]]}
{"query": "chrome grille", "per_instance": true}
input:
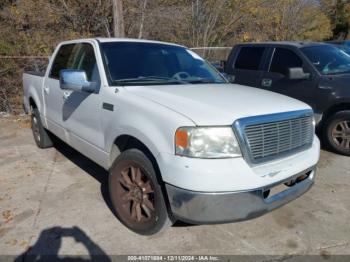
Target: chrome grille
{"points": [[273, 138]]}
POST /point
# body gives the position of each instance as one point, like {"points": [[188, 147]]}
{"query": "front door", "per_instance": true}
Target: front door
{"points": [[81, 112], [276, 79]]}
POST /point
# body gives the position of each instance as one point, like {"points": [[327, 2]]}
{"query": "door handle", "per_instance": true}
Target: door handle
{"points": [[266, 82], [66, 95], [46, 89], [324, 87]]}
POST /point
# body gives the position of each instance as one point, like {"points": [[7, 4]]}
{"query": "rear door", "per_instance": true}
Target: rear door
{"points": [[245, 65], [53, 94], [275, 78]]}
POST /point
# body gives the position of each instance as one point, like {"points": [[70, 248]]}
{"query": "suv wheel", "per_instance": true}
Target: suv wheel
{"points": [[337, 132], [136, 195]]}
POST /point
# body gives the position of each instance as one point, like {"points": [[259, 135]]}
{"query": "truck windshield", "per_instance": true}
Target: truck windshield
{"points": [[135, 63], [328, 60], [345, 48]]}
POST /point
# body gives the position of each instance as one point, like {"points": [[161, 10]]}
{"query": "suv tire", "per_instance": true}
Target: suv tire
{"points": [[337, 132]]}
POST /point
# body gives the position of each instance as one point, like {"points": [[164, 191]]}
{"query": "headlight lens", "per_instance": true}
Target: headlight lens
{"points": [[206, 142]]}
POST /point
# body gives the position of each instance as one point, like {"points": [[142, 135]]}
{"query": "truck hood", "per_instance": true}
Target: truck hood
{"points": [[217, 104]]}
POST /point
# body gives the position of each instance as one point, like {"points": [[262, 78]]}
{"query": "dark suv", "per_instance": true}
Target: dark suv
{"points": [[343, 43], [316, 73]]}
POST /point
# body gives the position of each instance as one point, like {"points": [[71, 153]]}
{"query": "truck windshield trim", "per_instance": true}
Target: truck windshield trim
{"points": [[135, 63]]}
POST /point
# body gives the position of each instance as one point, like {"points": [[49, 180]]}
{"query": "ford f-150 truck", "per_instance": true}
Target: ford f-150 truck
{"points": [[179, 141], [315, 73]]}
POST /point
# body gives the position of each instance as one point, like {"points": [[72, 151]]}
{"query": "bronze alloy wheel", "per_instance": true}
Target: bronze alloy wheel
{"points": [[341, 134], [135, 195]]}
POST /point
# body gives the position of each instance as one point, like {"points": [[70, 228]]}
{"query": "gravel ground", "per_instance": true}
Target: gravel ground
{"points": [[55, 201]]}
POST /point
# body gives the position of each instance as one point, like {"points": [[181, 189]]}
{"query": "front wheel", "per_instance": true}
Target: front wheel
{"points": [[337, 132], [136, 195]]}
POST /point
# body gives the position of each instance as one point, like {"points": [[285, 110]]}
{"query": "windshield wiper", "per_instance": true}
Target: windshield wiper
{"points": [[337, 73], [148, 79], [204, 81]]}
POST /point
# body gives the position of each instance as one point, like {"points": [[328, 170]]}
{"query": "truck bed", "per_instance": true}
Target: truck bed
{"points": [[32, 88], [35, 73]]}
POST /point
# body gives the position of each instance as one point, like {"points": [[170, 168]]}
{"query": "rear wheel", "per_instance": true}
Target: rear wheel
{"points": [[41, 136], [136, 195], [337, 132]]}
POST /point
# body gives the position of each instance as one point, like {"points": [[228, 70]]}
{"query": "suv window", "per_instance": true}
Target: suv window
{"points": [[284, 59], [76, 56], [249, 58], [61, 60]]}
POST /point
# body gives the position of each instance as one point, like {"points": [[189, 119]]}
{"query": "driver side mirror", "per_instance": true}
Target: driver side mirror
{"points": [[229, 78], [219, 65], [297, 73], [76, 80]]}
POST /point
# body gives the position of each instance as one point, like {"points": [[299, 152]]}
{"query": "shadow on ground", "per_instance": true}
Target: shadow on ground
{"points": [[48, 245], [90, 167], [96, 171]]}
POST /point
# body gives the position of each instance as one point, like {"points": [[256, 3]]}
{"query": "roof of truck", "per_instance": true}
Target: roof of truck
{"points": [[298, 44], [114, 39]]}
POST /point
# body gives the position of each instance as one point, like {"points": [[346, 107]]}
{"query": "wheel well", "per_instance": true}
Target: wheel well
{"points": [[125, 142], [336, 108], [32, 103]]}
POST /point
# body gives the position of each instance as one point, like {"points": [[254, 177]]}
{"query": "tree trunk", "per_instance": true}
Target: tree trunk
{"points": [[118, 18], [143, 11]]}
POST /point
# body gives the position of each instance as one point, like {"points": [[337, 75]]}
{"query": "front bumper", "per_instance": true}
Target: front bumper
{"points": [[220, 207]]}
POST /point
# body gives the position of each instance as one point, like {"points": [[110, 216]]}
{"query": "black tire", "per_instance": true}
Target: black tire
{"points": [[133, 185], [337, 132], [41, 135]]}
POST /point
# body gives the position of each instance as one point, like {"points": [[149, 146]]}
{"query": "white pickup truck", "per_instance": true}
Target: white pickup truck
{"points": [[179, 141]]}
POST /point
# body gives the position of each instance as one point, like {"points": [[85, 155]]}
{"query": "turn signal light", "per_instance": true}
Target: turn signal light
{"points": [[181, 138]]}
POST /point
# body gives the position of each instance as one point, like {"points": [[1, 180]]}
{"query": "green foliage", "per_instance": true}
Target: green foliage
{"points": [[338, 11], [6, 48]]}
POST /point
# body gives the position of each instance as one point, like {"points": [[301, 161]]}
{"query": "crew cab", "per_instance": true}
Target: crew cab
{"points": [[179, 141], [316, 73]]}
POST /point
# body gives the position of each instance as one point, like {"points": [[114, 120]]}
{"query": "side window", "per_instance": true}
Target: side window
{"points": [[76, 56], [249, 58], [284, 59], [61, 60], [83, 58]]}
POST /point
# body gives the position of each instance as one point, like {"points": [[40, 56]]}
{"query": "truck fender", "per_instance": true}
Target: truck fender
{"points": [[155, 145], [33, 94]]}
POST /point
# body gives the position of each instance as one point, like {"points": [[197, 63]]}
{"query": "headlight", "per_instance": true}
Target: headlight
{"points": [[206, 142]]}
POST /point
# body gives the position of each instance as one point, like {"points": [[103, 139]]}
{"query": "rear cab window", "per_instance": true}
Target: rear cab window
{"points": [[249, 58], [61, 60]]}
